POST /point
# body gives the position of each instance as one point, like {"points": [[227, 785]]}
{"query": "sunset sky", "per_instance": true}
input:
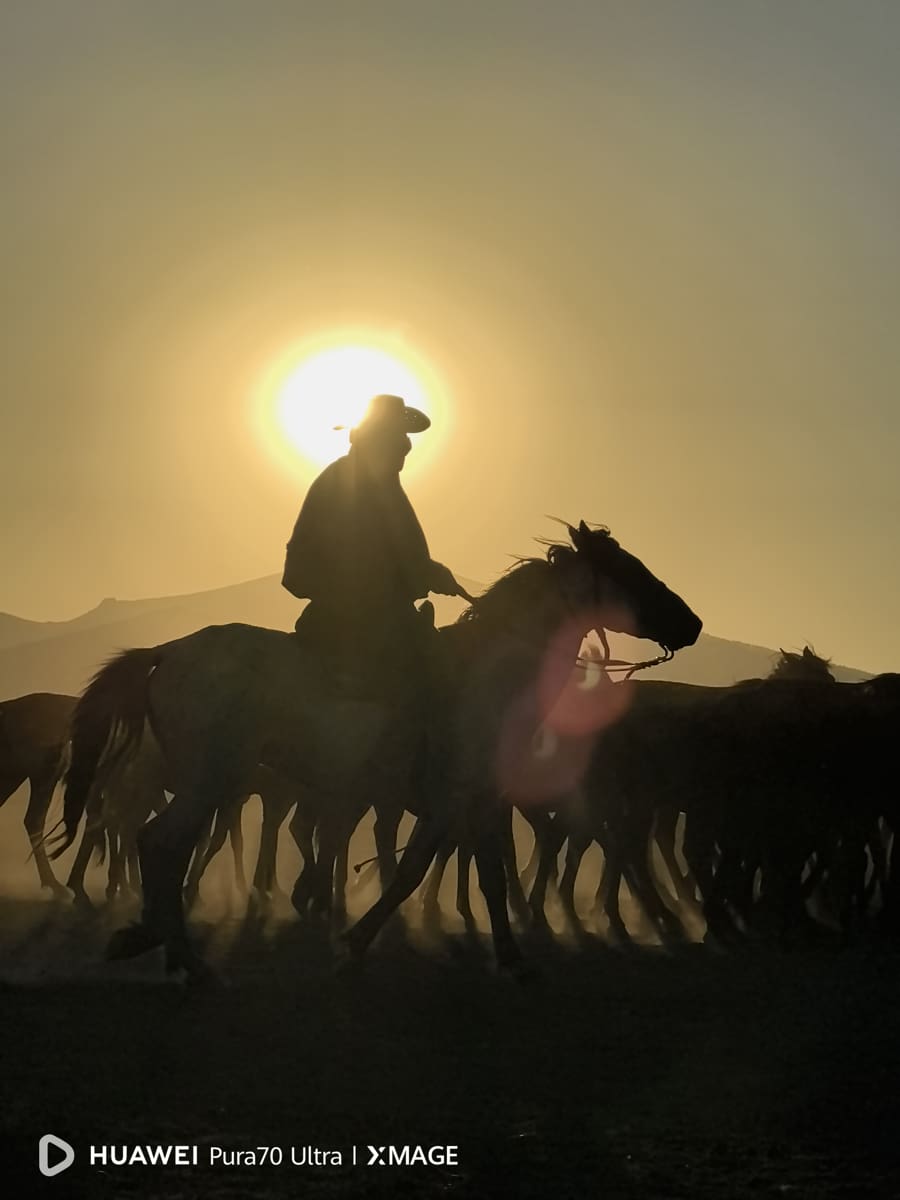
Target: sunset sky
{"points": [[647, 253]]}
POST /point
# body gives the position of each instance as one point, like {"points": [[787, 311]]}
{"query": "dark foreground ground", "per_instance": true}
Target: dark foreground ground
{"points": [[617, 1074]]}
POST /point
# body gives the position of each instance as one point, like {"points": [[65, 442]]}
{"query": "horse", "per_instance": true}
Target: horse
{"points": [[502, 706], [226, 698], [33, 737], [776, 791], [634, 787], [125, 792], [803, 667]]}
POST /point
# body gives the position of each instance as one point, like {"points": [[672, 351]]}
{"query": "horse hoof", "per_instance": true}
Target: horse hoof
{"points": [[130, 942], [82, 903]]}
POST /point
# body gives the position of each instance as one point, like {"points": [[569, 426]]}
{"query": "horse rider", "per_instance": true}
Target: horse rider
{"points": [[359, 555]]}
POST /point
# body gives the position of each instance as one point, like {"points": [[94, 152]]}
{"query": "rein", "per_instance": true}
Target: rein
{"points": [[606, 663]]}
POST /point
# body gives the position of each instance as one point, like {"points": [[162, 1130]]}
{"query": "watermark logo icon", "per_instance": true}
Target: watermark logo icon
{"points": [[50, 1142]]}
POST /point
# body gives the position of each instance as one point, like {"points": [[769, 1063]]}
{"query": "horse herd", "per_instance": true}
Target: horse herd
{"points": [[768, 807]]}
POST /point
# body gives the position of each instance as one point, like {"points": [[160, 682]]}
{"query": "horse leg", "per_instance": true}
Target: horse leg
{"points": [[236, 834], [610, 885], [302, 829], [327, 843], [133, 866], [430, 901], [221, 825], [530, 870], [463, 865], [507, 845], [35, 815], [275, 811], [666, 837], [641, 881], [199, 862], [549, 835], [699, 853], [165, 846], [90, 839], [492, 880], [341, 871], [387, 823], [114, 873], [423, 844], [579, 841]]}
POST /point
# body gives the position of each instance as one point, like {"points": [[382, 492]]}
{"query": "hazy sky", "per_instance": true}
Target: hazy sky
{"points": [[651, 248]]}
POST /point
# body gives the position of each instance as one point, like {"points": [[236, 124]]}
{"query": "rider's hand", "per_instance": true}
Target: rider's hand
{"points": [[442, 581]]}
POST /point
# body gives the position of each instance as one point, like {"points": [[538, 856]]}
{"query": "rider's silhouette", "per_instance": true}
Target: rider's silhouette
{"points": [[359, 555]]}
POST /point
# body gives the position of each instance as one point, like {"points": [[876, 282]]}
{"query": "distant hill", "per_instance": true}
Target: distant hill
{"points": [[61, 656]]}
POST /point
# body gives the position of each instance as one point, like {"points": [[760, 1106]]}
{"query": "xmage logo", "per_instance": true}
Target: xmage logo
{"points": [[408, 1156], [47, 1143]]}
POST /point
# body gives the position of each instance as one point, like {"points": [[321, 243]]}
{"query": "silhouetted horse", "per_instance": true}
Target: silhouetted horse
{"points": [[638, 780], [775, 791], [33, 735], [123, 796], [224, 699]]}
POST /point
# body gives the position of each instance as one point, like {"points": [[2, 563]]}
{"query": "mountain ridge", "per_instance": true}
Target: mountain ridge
{"points": [[62, 656]]}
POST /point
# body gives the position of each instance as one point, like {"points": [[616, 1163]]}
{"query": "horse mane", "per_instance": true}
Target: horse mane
{"points": [[508, 593], [526, 574], [804, 665]]}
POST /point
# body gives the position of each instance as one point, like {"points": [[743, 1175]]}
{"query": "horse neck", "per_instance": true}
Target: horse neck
{"points": [[545, 640]]}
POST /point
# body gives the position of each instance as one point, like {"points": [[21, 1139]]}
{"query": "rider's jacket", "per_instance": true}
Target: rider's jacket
{"points": [[357, 535]]}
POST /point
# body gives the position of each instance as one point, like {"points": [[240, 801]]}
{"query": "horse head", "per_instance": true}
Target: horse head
{"points": [[626, 596], [807, 667]]}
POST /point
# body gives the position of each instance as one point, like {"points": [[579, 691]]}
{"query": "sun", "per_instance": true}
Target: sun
{"points": [[318, 388]]}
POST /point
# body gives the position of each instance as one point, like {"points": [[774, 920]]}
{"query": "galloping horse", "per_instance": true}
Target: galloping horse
{"points": [[33, 735], [642, 774], [226, 698]]}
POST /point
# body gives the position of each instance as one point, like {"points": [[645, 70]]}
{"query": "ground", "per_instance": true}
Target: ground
{"points": [[638, 1073]]}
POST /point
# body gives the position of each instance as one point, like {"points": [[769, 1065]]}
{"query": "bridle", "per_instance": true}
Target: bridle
{"points": [[608, 664]]}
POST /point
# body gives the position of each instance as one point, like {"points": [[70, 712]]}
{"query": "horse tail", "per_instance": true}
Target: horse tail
{"points": [[108, 721]]}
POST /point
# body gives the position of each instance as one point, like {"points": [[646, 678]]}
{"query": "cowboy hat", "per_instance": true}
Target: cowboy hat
{"points": [[386, 410]]}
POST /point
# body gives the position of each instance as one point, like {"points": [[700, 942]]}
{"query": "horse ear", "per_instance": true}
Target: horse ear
{"points": [[583, 529], [782, 651], [576, 538], [807, 653]]}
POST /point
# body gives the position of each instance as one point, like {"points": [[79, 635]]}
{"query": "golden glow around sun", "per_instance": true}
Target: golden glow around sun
{"points": [[327, 383]]}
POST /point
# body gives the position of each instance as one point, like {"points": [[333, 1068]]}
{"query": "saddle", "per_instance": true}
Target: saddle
{"points": [[356, 664]]}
